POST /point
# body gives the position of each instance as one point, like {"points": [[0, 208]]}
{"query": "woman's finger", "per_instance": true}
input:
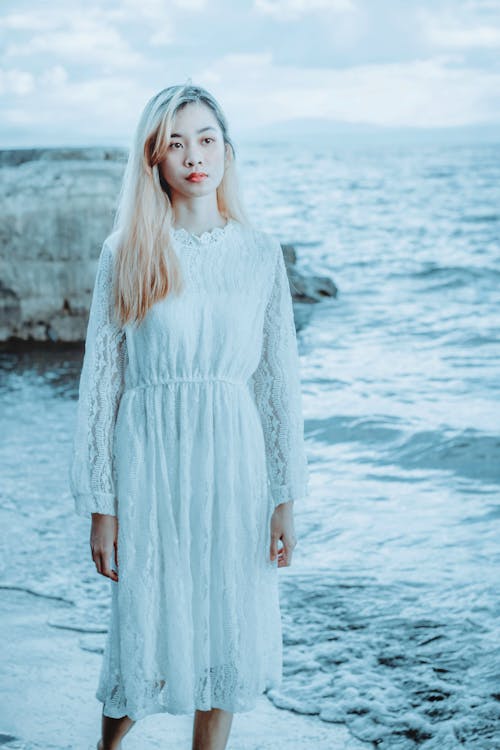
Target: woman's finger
{"points": [[274, 546], [287, 551], [102, 565], [97, 561], [106, 569]]}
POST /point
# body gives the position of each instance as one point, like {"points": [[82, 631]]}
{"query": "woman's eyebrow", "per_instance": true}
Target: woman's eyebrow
{"points": [[202, 130]]}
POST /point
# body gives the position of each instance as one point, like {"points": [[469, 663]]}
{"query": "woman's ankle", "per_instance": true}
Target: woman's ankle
{"points": [[102, 746]]}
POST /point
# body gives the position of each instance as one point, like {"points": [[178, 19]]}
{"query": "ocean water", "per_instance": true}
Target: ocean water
{"points": [[391, 607]]}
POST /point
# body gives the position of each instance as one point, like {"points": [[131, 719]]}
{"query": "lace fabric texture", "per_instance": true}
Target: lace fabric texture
{"points": [[209, 237], [92, 480], [277, 389], [189, 428]]}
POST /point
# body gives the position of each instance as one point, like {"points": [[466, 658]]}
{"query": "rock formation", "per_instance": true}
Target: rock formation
{"points": [[58, 205]]}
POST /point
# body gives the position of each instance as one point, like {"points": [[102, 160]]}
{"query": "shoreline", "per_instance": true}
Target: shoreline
{"points": [[47, 694]]}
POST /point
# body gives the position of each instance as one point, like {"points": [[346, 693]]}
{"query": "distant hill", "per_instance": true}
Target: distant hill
{"points": [[361, 132]]}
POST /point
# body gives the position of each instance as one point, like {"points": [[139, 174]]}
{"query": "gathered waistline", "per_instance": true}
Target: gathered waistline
{"points": [[174, 380]]}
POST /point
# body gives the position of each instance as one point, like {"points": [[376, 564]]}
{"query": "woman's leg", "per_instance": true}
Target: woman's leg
{"points": [[113, 731], [211, 729]]}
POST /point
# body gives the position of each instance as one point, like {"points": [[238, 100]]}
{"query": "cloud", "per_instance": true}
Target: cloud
{"points": [[17, 82], [56, 16], [97, 109], [462, 29], [461, 38], [90, 46], [85, 71], [422, 93], [162, 38], [481, 6], [105, 108], [54, 77], [86, 39], [292, 10], [158, 11]]}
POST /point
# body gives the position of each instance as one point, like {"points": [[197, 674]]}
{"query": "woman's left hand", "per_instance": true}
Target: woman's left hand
{"points": [[282, 527]]}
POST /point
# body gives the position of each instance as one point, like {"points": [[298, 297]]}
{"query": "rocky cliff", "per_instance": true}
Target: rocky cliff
{"points": [[58, 205]]}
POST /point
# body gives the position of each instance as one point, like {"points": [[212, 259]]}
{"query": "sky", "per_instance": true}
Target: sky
{"points": [[80, 73]]}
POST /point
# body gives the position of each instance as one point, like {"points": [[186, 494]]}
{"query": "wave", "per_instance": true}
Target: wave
{"points": [[468, 453], [455, 276], [395, 675]]}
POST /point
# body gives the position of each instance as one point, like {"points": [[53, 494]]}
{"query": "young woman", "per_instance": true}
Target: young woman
{"points": [[189, 449]]}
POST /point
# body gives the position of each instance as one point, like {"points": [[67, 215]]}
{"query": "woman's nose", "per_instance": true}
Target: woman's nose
{"points": [[193, 157]]}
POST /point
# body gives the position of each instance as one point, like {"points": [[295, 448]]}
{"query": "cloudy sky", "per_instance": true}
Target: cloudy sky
{"points": [[80, 72]]}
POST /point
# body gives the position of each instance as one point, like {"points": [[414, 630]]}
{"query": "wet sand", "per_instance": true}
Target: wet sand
{"points": [[47, 695]]}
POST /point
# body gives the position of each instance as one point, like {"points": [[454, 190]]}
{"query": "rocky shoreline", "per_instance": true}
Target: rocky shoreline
{"points": [[58, 204]]}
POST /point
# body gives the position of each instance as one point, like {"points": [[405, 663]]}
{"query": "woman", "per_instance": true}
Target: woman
{"points": [[188, 450]]}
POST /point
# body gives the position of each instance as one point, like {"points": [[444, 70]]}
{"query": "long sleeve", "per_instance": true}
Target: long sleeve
{"points": [[277, 390], [91, 474]]}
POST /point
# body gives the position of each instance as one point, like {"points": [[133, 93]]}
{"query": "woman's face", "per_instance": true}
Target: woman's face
{"points": [[196, 146]]}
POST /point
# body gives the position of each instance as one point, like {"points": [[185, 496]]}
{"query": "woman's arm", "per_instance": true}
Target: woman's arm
{"points": [[277, 389], [91, 475]]}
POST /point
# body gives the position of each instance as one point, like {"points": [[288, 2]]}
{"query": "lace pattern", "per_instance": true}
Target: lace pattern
{"points": [[92, 478], [277, 389], [210, 237]]}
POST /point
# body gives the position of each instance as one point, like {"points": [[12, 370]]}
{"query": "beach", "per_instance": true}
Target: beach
{"points": [[54, 671]]}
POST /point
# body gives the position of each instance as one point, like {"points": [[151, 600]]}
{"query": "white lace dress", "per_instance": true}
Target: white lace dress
{"points": [[189, 428]]}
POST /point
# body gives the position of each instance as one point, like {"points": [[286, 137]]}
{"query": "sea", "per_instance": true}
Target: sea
{"points": [[391, 605]]}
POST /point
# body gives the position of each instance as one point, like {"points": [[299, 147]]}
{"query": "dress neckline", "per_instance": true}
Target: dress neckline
{"points": [[210, 236]]}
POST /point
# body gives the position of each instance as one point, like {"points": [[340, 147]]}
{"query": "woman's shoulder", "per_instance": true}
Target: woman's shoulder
{"points": [[265, 241], [110, 242]]}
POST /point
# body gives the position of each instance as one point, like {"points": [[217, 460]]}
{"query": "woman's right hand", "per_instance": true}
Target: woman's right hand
{"points": [[104, 543]]}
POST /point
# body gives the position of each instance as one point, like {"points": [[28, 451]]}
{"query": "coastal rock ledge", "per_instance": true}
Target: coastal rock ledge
{"points": [[58, 205]]}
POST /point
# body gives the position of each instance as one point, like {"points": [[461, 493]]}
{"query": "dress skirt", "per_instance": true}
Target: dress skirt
{"points": [[195, 620]]}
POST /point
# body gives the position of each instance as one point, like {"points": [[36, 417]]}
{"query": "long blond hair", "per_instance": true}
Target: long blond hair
{"points": [[146, 265]]}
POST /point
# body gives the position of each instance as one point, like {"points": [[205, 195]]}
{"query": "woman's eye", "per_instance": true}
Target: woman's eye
{"points": [[177, 143]]}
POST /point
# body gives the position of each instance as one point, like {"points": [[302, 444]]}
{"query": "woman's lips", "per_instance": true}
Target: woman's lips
{"points": [[197, 177]]}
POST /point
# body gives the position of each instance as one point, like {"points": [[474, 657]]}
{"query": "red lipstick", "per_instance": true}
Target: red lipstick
{"points": [[197, 176]]}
